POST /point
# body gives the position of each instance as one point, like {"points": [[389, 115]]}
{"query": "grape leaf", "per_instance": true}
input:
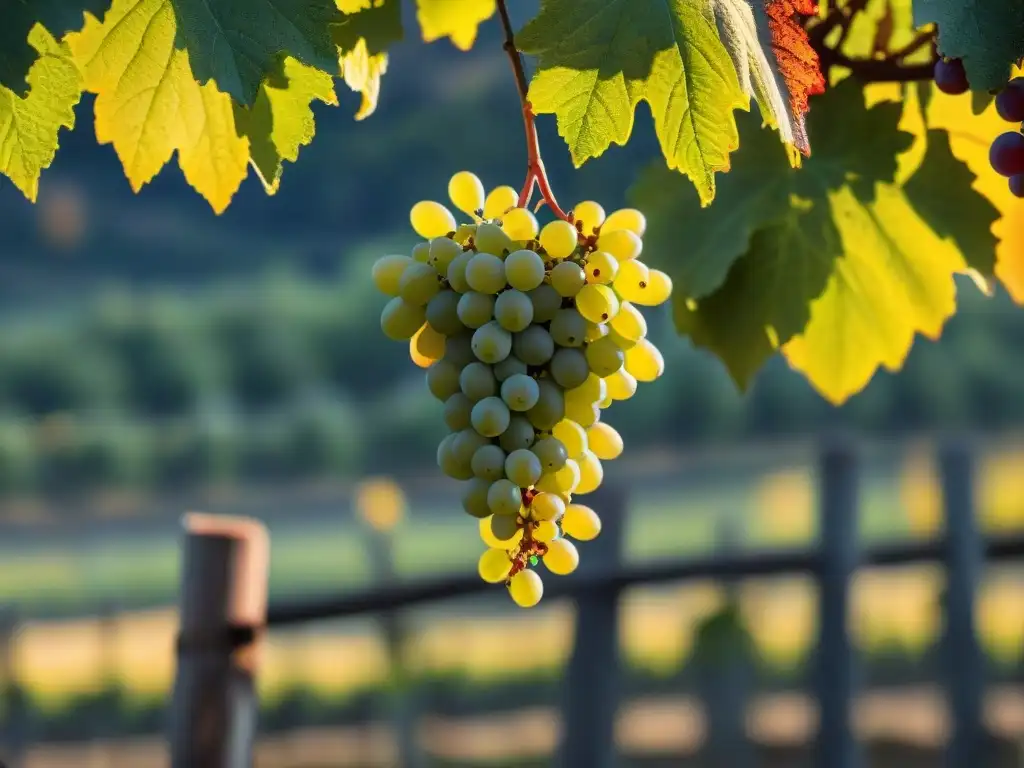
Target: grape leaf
{"points": [[369, 27], [456, 19], [29, 125], [598, 59], [988, 36]]}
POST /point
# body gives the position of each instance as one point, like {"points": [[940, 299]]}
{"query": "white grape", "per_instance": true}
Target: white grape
{"points": [[550, 407], [568, 328], [443, 313], [491, 343], [562, 557], [513, 310], [559, 239], [581, 522], [387, 272], [466, 191], [601, 268], [510, 366], [605, 357], [431, 219], [568, 278], [519, 434], [546, 302], [534, 346], [589, 214], [443, 251], [490, 416], [519, 224], [526, 589], [456, 412], [500, 200], [475, 309], [551, 453], [485, 273], [520, 392], [488, 462], [477, 381], [494, 566], [597, 303], [456, 272], [522, 467], [419, 284], [504, 498], [524, 270], [490, 238], [620, 243], [474, 498], [626, 218], [605, 441], [569, 367], [400, 320]]}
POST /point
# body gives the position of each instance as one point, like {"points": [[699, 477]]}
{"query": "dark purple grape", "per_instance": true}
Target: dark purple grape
{"points": [[1017, 184], [1007, 154], [950, 77], [1010, 101]]}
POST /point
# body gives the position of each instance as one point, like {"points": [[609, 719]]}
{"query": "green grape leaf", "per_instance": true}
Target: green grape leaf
{"points": [[29, 124], [598, 59], [455, 19], [988, 36]]}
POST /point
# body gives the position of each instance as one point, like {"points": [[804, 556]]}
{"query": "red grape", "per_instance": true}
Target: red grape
{"points": [[950, 77], [1007, 154], [1017, 184], [1010, 101]]}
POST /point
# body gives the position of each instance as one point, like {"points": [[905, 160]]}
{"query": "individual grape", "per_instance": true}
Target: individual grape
{"points": [[1017, 185], [490, 238], [606, 403], [490, 416], [520, 224], [506, 528], [626, 218], [534, 346], [562, 557], [559, 239], [524, 270], [588, 214], [550, 407], [492, 343], [581, 522], [499, 200], [569, 367], [387, 271], [595, 331], [513, 310], [426, 346], [504, 498], [477, 381], [597, 303], [400, 320], [621, 384], [658, 290], [488, 462], [466, 191], [644, 361], [520, 392], [509, 367], [601, 268], [620, 243], [564, 481], [1010, 101], [629, 323], [551, 453], [547, 506], [443, 251], [474, 498], [431, 219], [448, 460], [526, 589], [520, 434], [604, 357], [591, 473], [1007, 154], [494, 566], [458, 350], [546, 302], [621, 341], [593, 390], [475, 309], [467, 443], [522, 467], [421, 253], [584, 414], [631, 281], [605, 442], [488, 537], [419, 284], [545, 531], [457, 272], [572, 436], [567, 278], [485, 273], [568, 328], [463, 233], [443, 313], [456, 412], [950, 76]]}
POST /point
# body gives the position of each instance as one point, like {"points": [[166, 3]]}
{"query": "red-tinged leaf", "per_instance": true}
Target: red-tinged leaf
{"points": [[797, 60]]}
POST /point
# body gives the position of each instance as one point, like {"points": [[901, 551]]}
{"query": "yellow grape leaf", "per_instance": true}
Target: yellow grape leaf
{"points": [[29, 125], [457, 19], [362, 71], [148, 104]]}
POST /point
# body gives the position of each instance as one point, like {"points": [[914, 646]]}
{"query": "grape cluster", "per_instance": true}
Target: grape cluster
{"points": [[1007, 153], [526, 334]]}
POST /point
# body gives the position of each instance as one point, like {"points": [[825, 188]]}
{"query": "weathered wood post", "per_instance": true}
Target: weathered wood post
{"points": [[224, 584]]}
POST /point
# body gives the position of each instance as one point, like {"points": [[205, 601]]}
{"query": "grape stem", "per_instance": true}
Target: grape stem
{"points": [[535, 172]]}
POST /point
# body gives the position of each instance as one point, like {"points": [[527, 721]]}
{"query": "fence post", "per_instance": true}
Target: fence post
{"points": [[224, 584], [15, 709], [592, 678], [836, 662], [964, 560]]}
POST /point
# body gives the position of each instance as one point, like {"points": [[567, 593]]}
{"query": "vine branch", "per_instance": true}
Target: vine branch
{"points": [[535, 172]]}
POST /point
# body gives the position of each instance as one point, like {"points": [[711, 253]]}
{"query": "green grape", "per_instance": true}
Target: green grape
{"points": [[400, 320], [486, 273], [589, 214], [629, 323], [605, 442], [559, 238], [449, 462], [545, 531], [591, 473], [546, 506], [601, 268], [620, 243], [567, 479], [456, 412], [500, 200], [457, 272], [581, 522], [551, 453], [562, 557], [569, 328], [597, 303], [626, 218], [593, 390], [621, 384], [522, 467], [569, 367], [466, 191], [534, 346], [595, 331], [458, 350], [488, 462], [644, 361], [443, 379], [567, 278], [463, 232], [505, 527], [475, 309], [520, 224], [431, 219], [520, 434], [477, 381], [520, 392], [550, 407], [631, 281], [443, 250], [426, 346], [421, 253], [546, 303], [419, 284], [490, 238], [513, 310], [584, 414], [491, 343], [490, 416], [474, 498], [509, 367], [443, 313], [504, 498], [659, 288], [572, 436], [524, 270], [526, 589], [494, 566], [387, 273], [604, 357], [467, 443], [488, 537]]}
